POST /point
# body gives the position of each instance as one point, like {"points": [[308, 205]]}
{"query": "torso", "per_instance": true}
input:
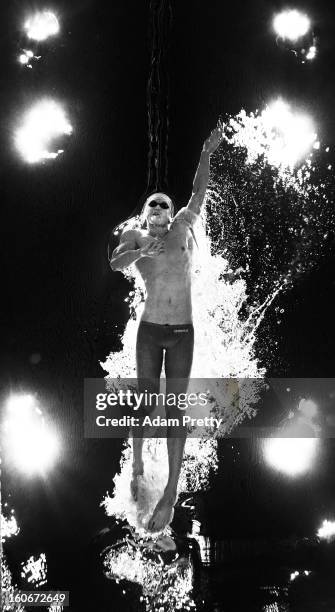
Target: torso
{"points": [[167, 277]]}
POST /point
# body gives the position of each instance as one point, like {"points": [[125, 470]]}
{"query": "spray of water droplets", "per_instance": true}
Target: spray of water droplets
{"points": [[8, 588], [275, 607], [9, 526], [200, 460], [34, 570], [273, 218], [165, 588]]}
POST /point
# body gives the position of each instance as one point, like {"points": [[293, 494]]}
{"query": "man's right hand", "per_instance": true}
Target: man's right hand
{"points": [[153, 248]]}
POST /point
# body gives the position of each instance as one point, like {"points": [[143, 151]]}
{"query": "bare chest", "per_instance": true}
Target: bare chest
{"points": [[176, 259]]}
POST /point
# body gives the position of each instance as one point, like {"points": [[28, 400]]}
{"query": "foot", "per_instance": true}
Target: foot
{"points": [[163, 513], [164, 544], [138, 470]]}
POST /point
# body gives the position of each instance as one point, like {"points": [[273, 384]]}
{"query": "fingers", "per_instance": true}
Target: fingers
{"points": [[156, 249], [159, 243], [216, 136], [153, 248], [155, 253], [159, 246]]}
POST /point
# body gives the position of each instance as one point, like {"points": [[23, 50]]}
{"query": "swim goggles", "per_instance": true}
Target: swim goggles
{"points": [[154, 203]]}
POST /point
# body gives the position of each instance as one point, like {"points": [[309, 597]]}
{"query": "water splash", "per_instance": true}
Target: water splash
{"points": [[200, 460], [275, 607], [8, 588], [165, 588], [34, 570], [282, 136], [9, 526], [273, 220]]}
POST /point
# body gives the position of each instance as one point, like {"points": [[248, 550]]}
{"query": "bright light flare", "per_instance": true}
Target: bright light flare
{"points": [[291, 456], [327, 530], [283, 136], [311, 54], [291, 25], [23, 59], [30, 444], [291, 135], [42, 124], [42, 25]]}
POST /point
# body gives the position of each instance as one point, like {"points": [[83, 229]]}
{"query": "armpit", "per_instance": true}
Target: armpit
{"points": [[186, 215]]}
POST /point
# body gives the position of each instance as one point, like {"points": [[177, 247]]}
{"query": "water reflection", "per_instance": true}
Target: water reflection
{"points": [[167, 569], [188, 571]]}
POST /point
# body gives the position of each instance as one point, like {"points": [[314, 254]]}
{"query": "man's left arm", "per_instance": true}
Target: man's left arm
{"points": [[201, 178]]}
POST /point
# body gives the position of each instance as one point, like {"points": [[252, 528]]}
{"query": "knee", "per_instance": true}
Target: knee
{"points": [[144, 411]]}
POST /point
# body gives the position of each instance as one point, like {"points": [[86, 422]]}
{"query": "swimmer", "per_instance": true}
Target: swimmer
{"points": [[162, 253]]}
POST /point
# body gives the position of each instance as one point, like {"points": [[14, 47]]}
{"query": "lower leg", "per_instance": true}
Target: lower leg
{"points": [[137, 467], [176, 437], [175, 446]]}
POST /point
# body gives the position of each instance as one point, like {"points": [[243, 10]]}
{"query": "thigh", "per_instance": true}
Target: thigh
{"points": [[149, 356], [149, 360], [179, 356]]}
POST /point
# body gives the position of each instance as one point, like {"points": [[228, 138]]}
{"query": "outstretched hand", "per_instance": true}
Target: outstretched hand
{"points": [[214, 140]]}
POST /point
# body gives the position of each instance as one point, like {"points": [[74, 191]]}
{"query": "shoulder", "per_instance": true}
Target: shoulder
{"points": [[186, 215], [129, 240], [130, 233], [130, 236]]}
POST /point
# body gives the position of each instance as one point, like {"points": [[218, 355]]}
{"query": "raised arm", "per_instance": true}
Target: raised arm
{"points": [[201, 178]]}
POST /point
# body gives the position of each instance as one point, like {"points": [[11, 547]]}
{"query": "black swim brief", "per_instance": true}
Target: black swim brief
{"points": [[174, 342]]}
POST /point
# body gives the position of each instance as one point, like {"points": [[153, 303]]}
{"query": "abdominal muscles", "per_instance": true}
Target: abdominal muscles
{"points": [[168, 288]]}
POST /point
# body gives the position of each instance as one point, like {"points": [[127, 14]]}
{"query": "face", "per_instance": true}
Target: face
{"points": [[158, 215]]}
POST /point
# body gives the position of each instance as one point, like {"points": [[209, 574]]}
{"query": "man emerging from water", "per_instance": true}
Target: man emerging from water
{"points": [[162, 253]]}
